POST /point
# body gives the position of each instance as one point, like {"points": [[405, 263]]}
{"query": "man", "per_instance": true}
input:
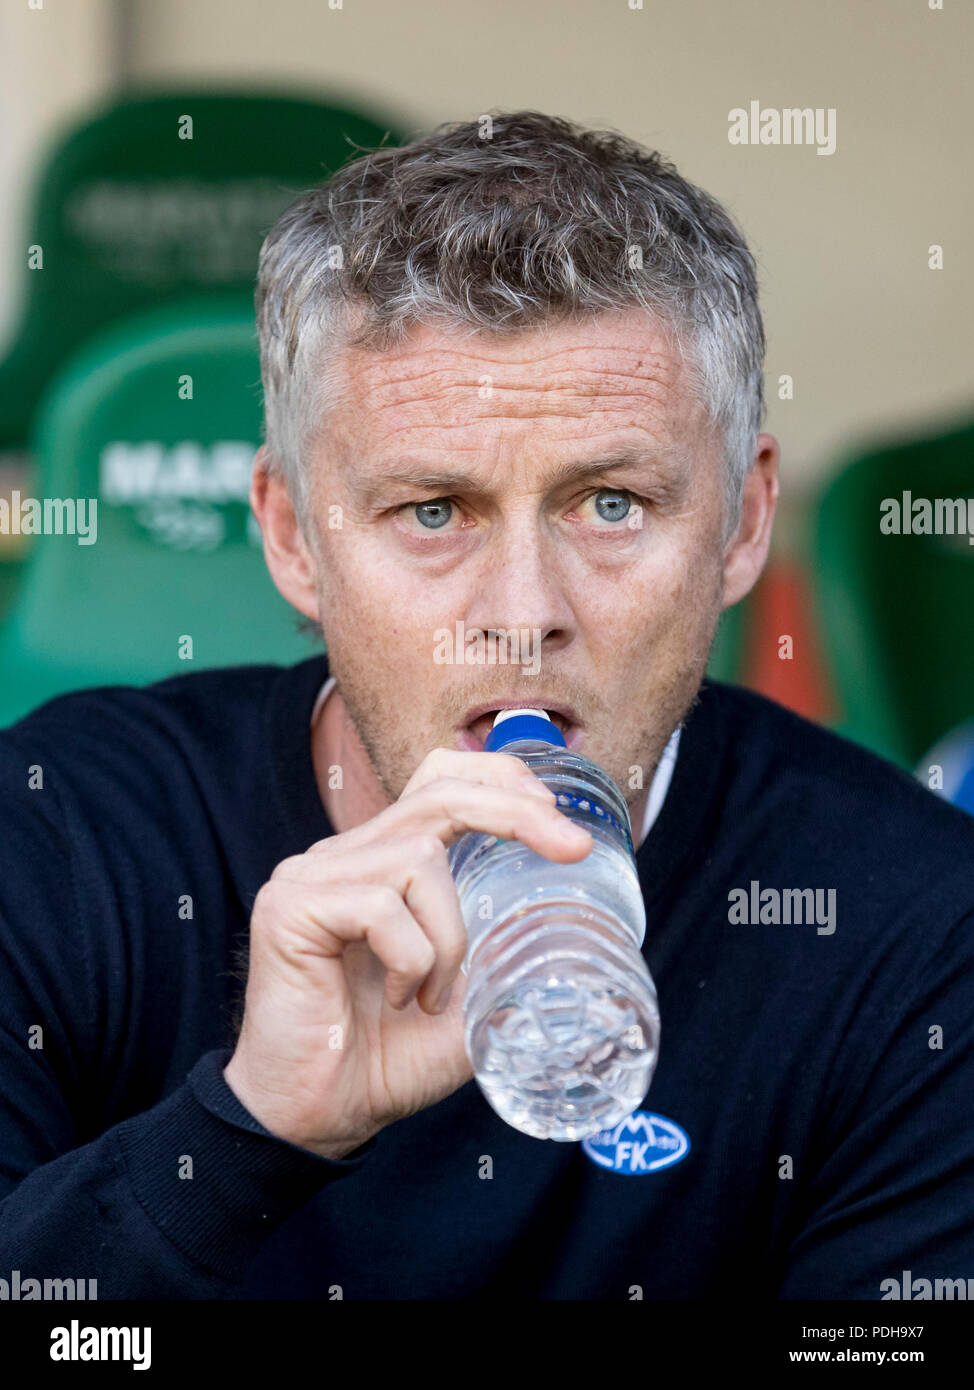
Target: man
{"points": [[513, 383]]}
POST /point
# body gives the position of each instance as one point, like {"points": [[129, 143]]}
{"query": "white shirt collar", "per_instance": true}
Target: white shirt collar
{"points": [[323, 694], [660, 784]]}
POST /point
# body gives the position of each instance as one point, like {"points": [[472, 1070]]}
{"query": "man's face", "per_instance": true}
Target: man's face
{"points": [[613, 579]]}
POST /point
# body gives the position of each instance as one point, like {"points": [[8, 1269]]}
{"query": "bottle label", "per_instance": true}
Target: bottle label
{"points": [[585, 803]]}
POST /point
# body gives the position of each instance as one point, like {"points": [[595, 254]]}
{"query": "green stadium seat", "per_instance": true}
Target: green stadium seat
{"points": [[898, 609], [177, 552], [130, 213]]}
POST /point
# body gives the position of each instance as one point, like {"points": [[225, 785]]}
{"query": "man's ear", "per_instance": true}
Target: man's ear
{"points": [[285, 549], [747, 549]]}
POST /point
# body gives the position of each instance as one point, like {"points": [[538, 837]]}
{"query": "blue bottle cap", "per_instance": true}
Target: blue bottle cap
{"points": [[513, 724]]}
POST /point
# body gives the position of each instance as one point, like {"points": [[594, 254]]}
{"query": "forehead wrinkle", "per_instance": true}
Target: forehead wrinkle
{"points": [[460, 403], [399, 378], [465, 436], [658, 368]]}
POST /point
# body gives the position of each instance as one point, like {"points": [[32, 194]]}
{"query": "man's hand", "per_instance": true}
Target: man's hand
{"points": [[354, 947]]}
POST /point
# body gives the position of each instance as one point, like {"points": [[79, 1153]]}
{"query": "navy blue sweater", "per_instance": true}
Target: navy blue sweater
{"points": [[809, 1132]]}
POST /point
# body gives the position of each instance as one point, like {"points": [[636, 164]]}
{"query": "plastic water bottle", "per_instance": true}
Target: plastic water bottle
{"points": [[560, 1016]]}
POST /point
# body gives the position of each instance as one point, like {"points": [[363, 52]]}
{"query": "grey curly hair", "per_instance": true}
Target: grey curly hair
{"points": [[501, 225]]}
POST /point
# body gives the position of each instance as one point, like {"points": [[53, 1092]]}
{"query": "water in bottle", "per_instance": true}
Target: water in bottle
{"points": [[560, 1014]]}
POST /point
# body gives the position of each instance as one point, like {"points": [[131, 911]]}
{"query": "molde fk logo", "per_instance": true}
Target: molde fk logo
{"points": [[642, 1143]]}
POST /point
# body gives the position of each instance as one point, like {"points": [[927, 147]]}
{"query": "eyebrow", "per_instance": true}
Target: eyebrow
{"points": [[451, 481]]}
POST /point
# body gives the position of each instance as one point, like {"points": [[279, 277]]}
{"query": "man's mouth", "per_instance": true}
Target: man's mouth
{"points": [[473, 732]]}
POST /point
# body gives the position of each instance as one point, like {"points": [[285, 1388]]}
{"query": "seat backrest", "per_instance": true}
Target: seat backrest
{"points": [[157, 419], [155, 198], [895, 578]]}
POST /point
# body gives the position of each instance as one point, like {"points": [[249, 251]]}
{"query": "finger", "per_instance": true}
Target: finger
{"points": [[496, 769], [334, 915], [417, 868], [431, 896], [453, 805]]}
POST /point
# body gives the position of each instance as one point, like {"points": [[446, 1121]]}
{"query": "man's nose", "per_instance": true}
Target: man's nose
{"points": [[520, 585]]}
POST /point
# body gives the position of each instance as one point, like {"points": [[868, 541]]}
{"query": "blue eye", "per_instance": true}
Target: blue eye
{"points": [[621, 500], [439, 511]]}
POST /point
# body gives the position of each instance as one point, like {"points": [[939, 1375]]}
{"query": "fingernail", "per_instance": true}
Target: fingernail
{"points": [[444, 999]]}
